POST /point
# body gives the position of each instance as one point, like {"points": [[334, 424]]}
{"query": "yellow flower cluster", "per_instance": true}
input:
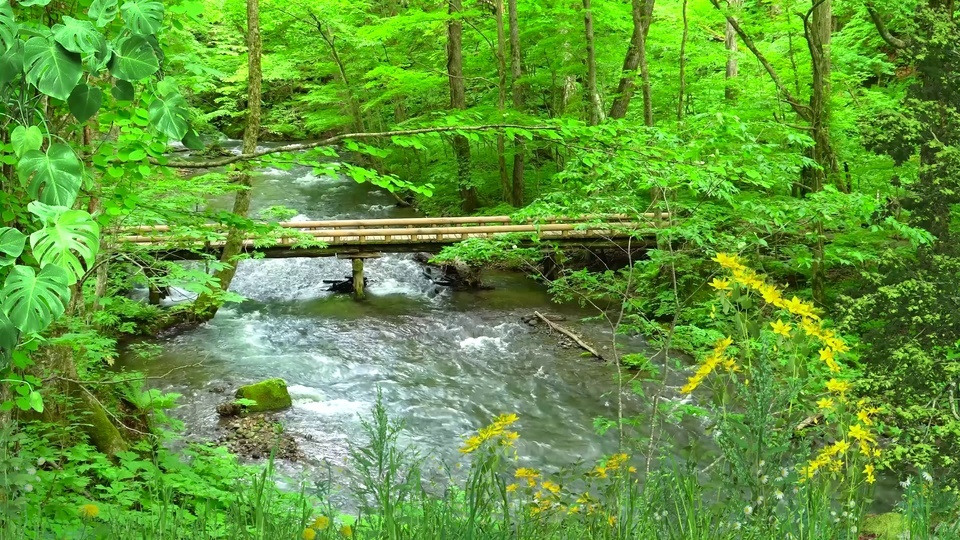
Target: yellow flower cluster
{"points": [[831, 456], [530, 475], [710, 363], [495, 431], [810, 321]]}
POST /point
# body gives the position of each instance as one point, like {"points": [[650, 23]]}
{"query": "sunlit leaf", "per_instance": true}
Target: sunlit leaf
{"points": [[53, 177], [32, 301], [66, 237], [54, 70]]}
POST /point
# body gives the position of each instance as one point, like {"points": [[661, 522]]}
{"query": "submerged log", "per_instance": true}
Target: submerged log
{"points": [[576, 339], [457, 274], [344, 286]]}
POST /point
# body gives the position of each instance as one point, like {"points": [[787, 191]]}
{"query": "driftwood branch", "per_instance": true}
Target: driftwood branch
{"points": [[330, 141], [891, 39], [556, 327], [802, 110]]}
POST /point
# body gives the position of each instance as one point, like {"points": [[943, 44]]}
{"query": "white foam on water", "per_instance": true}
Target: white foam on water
{"points": [[311, 179], [482, 342], [305, 393], [333, 407]]}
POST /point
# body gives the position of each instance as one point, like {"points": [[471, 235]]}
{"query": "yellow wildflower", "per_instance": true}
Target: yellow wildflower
{"points": [[825, 404], [321, 523], [530, 475], [309, 534], [612, 520], [550, 486], [616, 461], [770, 294], [720, 284], [631, 469], [859, 433], [864, 417], [89, 511], [471, 444], [826, 354], [574, 510], [779, 327], [728, 261], [599, 472], [838, 387], [347, 531], [868, 470]]}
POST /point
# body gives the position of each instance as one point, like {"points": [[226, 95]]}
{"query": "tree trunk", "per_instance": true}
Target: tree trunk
{"points": [[642, 11], [594, 107], [818, 32], [683, 62], [205, 306], [501, 54], [458, 101], [517, 91], [733, 67]]}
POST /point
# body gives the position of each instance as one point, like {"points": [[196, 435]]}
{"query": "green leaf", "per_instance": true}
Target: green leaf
{"points": [[54, 70], [80, 37], [8, 26], [25, 139], [133, 59], [9, 336], [143, 17], [193, 141], [54, 177], [32, 301], [84, 102], [28, 3], [66, 237], [11, 245], [170, 116], [36, 401], [11, 63], [103, 11], [122, 91]]}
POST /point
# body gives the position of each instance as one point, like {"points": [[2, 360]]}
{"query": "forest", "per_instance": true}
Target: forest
{"points": [[676, 269]]}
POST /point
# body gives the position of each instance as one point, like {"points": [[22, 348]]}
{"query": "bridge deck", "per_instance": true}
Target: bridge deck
{"points": [[391, 235]]}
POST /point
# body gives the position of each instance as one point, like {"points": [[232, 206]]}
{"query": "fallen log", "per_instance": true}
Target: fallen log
{"points": [[576, 339]]}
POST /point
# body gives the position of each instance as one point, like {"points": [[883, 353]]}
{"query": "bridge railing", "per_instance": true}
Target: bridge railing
{"points": [[413, 230]]}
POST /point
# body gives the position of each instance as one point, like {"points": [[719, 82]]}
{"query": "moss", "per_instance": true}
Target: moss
{"points": [[889, 526], [270, 395]]}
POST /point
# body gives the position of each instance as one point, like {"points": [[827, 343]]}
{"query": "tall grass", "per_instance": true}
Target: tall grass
{"points": [[156, 496]]}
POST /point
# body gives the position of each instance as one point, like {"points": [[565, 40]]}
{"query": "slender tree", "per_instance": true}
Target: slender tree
{"points": [[683, 61], [594, 107], [733, 67], [501, 54], [517, 92], [458, 101], [206, 306], [642, 12]]}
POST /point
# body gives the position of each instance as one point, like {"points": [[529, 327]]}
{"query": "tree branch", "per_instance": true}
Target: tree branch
{"points": [[802, 110], [209, 164], [891, 39]]}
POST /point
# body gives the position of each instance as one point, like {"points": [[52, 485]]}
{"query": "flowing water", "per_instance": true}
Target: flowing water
{"points": [[447, 361]]}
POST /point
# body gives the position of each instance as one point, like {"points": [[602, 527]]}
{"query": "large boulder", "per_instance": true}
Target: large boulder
{"points": [[270, 395]]}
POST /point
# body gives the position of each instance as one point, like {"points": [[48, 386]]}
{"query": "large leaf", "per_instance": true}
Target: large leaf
{"points": [[80, 37], [8, 26], [54, 70], [170, 116], [11, 63], [66, 237], [85, 101], [11, 245], [103, 11], [122, 91], [25, 139], [28, 3], [9, 336], [133, 59], [53, 177], [32, 301], [143, 17]]}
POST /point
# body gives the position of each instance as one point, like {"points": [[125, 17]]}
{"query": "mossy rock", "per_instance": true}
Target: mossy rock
{"points": [[889, 526], [270, 395]]}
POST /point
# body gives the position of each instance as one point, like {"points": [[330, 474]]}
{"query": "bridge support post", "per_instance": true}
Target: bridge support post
{"points": [[358, 278]]}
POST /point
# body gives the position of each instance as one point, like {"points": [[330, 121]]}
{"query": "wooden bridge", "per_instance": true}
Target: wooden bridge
{"points": [[366, 238]]}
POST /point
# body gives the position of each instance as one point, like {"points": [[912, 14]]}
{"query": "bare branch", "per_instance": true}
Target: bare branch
{"points": [[330, 141], [802, 110], [891, 39]]}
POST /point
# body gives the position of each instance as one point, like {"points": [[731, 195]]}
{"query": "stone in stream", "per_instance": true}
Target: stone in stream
{"points": [[270, 395]]}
